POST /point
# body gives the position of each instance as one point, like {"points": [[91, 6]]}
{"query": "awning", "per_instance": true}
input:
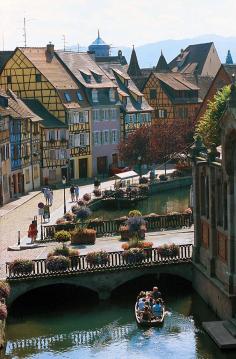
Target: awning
{"points": [[126, 175]]}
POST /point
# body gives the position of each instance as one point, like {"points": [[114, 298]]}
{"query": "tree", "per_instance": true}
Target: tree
{"points": [[208, 127], [156, 143]]}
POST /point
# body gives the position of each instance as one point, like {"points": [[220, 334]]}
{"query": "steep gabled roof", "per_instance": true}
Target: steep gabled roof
{"points": [[192, 59], [134, 69], [4, 57], [162, 65]]}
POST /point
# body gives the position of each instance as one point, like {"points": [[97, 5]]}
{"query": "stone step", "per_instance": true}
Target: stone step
{"points": [[220, 334], [231, 327]]}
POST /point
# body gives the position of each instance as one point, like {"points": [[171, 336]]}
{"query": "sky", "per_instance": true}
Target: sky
{"points": [[121, 22]]}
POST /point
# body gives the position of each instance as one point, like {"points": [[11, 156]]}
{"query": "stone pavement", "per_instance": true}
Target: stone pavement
{"points": [[9, 207]]}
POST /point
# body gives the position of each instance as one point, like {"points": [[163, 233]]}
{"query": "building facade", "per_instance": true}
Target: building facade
{"points": [[214, 218]]}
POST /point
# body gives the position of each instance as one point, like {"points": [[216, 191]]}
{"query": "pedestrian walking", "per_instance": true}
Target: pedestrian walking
{"points": [[32, 231], [72, 193], [76, 193], [46, 192], [50, 197]]}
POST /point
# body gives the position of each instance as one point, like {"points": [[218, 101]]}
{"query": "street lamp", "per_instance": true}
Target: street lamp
{"points": [[64, 183], [140, 165]]}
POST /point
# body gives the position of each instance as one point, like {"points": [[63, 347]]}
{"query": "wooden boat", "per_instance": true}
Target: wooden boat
{"points": [[155, 322]]}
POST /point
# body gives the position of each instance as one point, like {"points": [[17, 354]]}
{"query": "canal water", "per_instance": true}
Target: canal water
{"points": [[161, 203], [60, 323]]}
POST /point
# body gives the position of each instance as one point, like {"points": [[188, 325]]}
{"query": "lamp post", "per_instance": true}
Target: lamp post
{"points": [[64, 183], [140, 165]]}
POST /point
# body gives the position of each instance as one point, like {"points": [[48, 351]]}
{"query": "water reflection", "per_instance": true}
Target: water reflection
{"points": [[110, 331]]}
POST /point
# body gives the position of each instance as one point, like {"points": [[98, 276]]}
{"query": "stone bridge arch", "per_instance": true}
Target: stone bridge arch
{"points": [[102, 283]]}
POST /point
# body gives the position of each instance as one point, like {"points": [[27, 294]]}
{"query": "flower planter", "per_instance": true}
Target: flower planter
{"points": [[57, 263], [21, 267], [83, 236], [133, 256], [97, 258]]}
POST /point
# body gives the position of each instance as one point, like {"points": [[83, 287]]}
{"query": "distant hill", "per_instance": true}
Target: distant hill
{"points": [[148, 54]]}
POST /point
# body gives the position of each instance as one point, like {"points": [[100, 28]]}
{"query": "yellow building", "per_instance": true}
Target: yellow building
{"points": [[36, 74]]}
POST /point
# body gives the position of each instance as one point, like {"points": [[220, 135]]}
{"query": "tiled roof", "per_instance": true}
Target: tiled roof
{"points": [[4, 57], [231, 69], [83, 63], [50, 67], [48, 120], [194, 55], [176, 81], [16, 107], [134, 69]]}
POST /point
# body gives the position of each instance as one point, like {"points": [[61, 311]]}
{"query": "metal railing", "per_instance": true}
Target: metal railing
{"points": [[111, 227], [115, 260]]}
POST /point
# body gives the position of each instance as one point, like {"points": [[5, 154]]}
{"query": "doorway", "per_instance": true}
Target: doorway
{"points": [[102, 165], [64, 172], [83, 168]]}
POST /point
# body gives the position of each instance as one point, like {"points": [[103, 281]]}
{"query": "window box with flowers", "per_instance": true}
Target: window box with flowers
{"points": [[133, 255], [97, 258]]}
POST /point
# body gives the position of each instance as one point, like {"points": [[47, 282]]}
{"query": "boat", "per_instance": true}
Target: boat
{"points": [[155, 322]]}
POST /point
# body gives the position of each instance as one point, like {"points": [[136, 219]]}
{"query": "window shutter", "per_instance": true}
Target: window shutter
{"points": [[101, 138]]}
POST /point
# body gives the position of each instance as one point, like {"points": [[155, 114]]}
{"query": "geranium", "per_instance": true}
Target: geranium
{"points": [[87, 197]]}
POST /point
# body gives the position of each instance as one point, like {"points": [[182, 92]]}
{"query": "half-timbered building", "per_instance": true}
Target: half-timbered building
{"points": [[36, 73]]}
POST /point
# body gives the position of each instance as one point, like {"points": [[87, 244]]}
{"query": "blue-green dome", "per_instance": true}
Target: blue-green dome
{"points": [[99, 47]]}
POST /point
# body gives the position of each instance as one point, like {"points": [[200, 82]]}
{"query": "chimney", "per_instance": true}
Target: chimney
{"points": [[50, 49]]}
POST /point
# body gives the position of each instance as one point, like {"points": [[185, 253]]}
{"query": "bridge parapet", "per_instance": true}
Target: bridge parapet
{"points": [[116, 261]]}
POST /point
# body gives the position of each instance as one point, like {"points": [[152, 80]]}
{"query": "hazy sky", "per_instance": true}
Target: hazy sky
{"points": [[121, 22]]}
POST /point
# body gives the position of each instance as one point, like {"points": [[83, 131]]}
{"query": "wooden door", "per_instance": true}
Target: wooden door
{"points": [[102, 165], [83, 168]]}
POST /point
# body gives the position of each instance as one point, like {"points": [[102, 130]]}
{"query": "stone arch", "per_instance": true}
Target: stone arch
{"points": [[20, 288]]}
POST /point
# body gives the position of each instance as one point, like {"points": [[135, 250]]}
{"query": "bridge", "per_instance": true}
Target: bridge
{"points": [[101, 278]]}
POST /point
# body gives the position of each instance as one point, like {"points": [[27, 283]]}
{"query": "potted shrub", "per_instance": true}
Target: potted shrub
{"points": [[97, 192], [135, 213], [87, 197], [3, 311], [57, 263], [163, 177], [21, 266], [4, 289], [137, 229], [168, 250], [65, 251], [97, 258], [60, 221], [82, 214], [62, 236], [125, 246], [69, 216], [80, 203], [147, 248], [124, 233], [144, 188], [133, 255], [83, 236]]}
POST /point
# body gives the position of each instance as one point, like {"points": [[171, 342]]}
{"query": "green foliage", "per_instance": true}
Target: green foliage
{"points": [[4, 289], [135, 213], [57, 263], [62, 236], [21, 266], [168, 250], [208, 126]]}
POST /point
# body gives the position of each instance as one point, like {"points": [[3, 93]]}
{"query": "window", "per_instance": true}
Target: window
{"points": [[114, 114], [153, 94], [51, 135], [38, 78], [5, 183], [96, 115], [63, 134], [36, 172], [9, 80], [15, 152], [102, 115], [114, 136], [112, 95], [79, 96], [3, 157], [106, 137], [52, 175], [95, 95], [181, 112], [67, 97], [162, 113], [27, 176], [82, 139], [62, 154], [52, 155], [96, 138]]}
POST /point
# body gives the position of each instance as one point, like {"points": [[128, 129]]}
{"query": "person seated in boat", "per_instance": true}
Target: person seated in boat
{"points": [[146, 314], [155, 293], [141, 304], [151, 302], [157, 308], [141, 295]]}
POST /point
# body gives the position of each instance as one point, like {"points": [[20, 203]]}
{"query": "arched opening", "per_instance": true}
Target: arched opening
{"points": [[53, 298], [168, 284]]}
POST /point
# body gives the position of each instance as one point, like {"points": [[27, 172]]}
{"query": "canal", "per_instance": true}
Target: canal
{"points": [[176, 200], [61, 322]]}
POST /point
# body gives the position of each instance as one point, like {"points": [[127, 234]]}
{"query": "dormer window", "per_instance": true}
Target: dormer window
{"points": [[67, 97], [112, 94], [95, 95], [98, 78], [87, 77], [79, 96]]}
